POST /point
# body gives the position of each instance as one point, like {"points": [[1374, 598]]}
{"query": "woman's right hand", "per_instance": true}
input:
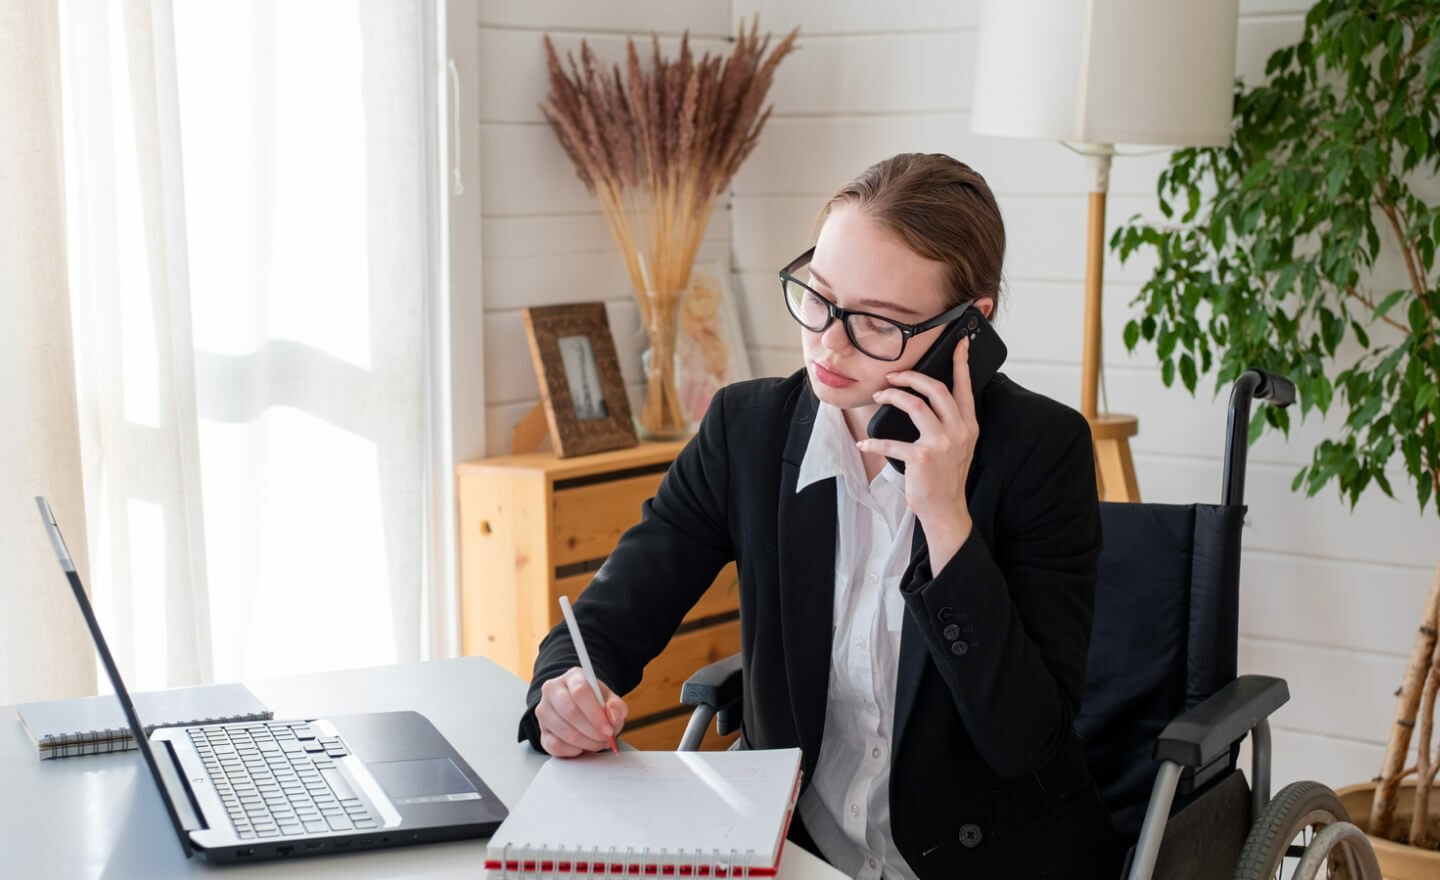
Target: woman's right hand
{"points": [[572, 721]]}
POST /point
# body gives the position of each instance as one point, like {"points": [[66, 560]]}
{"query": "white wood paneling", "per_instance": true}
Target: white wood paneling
{"points": [[836, 74], [1332, 603], [526, 173], [858, 16], [518, 99], [1300, 754], [1320, 679], [585, 16]]}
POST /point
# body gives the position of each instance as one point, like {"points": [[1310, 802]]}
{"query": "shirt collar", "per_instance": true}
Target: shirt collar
{"points": [[831, 452]]}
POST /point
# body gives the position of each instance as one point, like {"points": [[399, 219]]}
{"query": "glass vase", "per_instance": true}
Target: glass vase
{"points": [[661, 416]]}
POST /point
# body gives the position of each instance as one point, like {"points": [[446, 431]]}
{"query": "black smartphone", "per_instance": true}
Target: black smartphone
{"points": [[987, 353]]}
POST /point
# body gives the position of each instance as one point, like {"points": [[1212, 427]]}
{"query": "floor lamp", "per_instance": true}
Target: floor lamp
{"points": [[1095, 73]]}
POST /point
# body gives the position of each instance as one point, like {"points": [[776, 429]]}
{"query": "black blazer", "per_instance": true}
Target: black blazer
{"points": [[987, 775]]}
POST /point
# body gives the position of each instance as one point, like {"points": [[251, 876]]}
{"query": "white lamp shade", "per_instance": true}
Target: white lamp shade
{"points": [[1107, 71]]}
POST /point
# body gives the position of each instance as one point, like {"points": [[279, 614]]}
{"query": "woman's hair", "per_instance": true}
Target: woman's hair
{"points": [[942, 210]]}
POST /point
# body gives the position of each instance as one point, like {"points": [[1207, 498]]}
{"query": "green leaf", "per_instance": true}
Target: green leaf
{"points": [[1366, 413], [1332, 330], [1132, 335], [1258, 175], [1187, 372], [1165, 346], [1389, 302], [1167, 373], [1426, 396], [1335, 179]]}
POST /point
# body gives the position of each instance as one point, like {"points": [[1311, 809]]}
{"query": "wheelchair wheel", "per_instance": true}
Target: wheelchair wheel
{"points": [[1287, 826]]}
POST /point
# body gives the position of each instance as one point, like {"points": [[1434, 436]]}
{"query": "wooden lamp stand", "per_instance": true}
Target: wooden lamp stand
{"points": [[1111, 432]]}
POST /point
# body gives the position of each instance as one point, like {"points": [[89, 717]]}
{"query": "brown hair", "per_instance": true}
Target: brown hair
{"points": [[941, 209]]}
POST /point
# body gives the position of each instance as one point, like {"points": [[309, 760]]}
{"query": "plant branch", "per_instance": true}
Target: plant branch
{"points": [[1369, 302], [1417, 279], [1382, 810], [1425, 767]]}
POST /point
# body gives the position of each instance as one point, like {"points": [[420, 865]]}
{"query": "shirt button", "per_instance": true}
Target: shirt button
{"points": [[854, 809], [859, 643], [952, 632], [875, 752], [959, 648], [874, 863], [874, 577]]}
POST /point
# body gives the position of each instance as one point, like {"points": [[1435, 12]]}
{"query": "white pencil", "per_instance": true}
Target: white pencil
{"points": [[585, 667]]}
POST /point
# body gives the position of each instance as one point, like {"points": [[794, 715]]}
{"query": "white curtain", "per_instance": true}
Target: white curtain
{"points": [[251, 235], [43, 649]]}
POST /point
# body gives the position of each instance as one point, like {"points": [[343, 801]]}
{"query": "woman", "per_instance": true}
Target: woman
{"points": [[922, 637]]}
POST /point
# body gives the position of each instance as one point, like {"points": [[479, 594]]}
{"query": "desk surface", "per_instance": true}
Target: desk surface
{"points": [[101, 815]]}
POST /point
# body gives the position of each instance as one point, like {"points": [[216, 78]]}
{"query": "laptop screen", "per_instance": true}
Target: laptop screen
{"points": [[136, 728]]}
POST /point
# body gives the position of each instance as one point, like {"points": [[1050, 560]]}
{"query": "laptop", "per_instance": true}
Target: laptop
{"points": [[275, 789]]}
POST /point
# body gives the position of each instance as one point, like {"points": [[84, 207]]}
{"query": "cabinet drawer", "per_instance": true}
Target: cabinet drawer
{"points": [[664, 735], [589, 520], [723, 597], [659, 689]]}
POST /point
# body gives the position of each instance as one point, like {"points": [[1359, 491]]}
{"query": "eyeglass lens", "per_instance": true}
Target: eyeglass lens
{"points": [[874, 336]]}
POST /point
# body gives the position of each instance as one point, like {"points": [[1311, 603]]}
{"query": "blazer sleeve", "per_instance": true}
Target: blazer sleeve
{"points": [[657, 572], [1007, 620]]}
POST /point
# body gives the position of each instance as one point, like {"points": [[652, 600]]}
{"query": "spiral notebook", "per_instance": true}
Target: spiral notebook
{"points": [[674, 814], [95, 725]]}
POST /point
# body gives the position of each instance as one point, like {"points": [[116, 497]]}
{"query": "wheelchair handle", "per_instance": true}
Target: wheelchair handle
{"points": [[1253, 384]]}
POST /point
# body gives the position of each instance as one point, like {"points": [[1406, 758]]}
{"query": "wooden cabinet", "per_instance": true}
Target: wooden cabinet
{"points": [[535, 527]]}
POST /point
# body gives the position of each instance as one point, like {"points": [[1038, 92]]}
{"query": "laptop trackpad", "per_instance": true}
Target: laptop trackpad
{"points": [[428, 780]]}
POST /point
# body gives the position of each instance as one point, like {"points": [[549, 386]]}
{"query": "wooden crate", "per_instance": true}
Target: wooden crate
{"points": [[534, 527]]}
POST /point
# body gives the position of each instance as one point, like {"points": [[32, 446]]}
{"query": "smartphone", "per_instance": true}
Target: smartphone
{"points": [[987, 353]]}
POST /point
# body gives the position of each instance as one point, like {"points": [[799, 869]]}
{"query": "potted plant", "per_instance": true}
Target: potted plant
{"points": [[1307, 247]]}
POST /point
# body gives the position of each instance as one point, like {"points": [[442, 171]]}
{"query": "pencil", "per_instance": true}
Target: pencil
{"points": [[585, 667]]}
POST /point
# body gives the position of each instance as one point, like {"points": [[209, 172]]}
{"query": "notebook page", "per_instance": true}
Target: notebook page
{"points": [[654, 803]]}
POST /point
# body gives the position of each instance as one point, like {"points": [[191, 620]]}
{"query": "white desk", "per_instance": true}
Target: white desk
{"points": [[101, 815]]}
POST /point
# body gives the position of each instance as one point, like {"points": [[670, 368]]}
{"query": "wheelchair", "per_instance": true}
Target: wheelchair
{"points": [[1164, 712]]}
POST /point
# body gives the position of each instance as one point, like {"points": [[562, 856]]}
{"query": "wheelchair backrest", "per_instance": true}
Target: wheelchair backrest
{"points": [[1164, 638]]}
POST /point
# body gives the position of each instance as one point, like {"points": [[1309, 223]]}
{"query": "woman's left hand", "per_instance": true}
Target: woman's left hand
{"points": [[938, 461]]}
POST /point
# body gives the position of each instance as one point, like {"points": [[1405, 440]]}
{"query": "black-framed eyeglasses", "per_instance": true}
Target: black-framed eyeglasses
{"points": [[873, 335]]}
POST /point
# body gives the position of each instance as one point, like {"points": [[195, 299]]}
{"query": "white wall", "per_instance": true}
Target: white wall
{"points": [[1329, 597]]}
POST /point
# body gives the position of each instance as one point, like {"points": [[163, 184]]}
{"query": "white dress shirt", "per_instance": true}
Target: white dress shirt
{"points": [[846, 808]]}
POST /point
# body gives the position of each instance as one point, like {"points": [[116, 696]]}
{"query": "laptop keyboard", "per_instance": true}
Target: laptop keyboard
{"points": [[279, 779]]}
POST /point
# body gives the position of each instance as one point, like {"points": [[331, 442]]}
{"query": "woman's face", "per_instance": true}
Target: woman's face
{"points": [[862, 266]]}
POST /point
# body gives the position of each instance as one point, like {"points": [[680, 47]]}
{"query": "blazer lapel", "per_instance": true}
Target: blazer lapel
{"points": [[913, 652], [807, 584]]}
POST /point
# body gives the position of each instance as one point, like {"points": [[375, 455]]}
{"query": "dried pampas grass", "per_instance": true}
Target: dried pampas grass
{"points": [[657, 147]]}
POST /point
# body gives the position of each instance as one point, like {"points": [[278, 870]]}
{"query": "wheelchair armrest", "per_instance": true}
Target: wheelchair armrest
{"points": [[717, 685], [1198, 736]]}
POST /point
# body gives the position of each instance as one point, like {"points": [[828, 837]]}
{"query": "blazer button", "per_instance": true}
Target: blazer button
{"points": [[970, 835], [959, 648], [946, 614], [952, 632]]}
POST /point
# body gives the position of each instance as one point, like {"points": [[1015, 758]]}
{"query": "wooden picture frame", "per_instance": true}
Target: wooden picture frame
{"points": [[581, 389]]}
